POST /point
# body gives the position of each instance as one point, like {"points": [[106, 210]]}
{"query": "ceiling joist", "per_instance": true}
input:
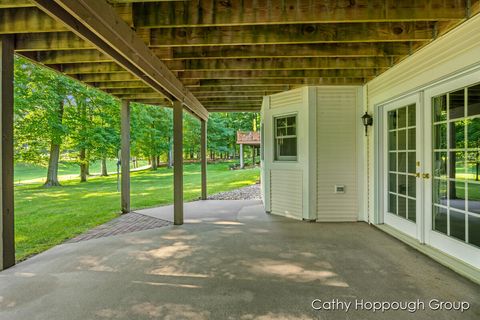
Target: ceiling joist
{"points": [[266, 12]]}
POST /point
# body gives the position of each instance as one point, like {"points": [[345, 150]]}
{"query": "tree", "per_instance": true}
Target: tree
{"points": [[222, 129], [97, 128], [191, 136], [41, 96], [151, 132]]}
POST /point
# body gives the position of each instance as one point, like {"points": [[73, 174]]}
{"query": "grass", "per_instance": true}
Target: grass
{"points": [[47, 217], [28, 173]]}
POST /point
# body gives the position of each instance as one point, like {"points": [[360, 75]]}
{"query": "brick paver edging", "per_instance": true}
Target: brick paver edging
{"points": [[126, 223]]}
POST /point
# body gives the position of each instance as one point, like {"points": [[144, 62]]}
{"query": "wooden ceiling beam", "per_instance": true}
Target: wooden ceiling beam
{"points": [[27, 20], [107, 67], [89, 68], [240, 64], [254, 105], [135, 96], [15, 4], [233, 104], [265, 74], [118, 85], [50, 41], [347, 50], [234, 94], [154, 102], [228, 89], [67, 42], [204, 94], [107, 77], [265, 12], [66, 57], [234, 109], [219, 74], [117, 91], [285, 81], [245, 99], [287, 63], [293, 34]]}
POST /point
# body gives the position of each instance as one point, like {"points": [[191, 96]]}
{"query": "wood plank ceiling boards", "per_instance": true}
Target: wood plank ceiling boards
{"points": [[223, 55]]}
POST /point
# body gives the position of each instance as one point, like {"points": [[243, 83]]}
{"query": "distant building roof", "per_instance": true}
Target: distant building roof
{"points": [[248, 138]]}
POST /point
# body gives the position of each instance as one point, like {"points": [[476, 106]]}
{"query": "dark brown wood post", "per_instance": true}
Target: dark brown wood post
{"points": [[7, 245], [125, 155], [178, 163], [203, 150]]}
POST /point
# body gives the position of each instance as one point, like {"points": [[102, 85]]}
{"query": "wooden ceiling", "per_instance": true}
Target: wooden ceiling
{"points": [[230, 53]]}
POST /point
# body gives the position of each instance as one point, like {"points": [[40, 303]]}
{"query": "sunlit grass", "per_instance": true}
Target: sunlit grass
{"points": [[46, 217], [31, 173]]}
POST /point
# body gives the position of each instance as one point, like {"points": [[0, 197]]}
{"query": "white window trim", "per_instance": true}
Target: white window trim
{"points": [[277, 156]]}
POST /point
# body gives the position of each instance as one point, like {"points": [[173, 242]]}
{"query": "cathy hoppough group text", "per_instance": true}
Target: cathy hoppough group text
{"points": [[383, 306]]}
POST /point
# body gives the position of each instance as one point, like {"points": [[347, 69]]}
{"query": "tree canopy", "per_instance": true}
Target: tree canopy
{"points": [[60, 119]]}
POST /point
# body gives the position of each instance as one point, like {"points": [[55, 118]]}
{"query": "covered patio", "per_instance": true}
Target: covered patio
{"points": [[230, 260]]}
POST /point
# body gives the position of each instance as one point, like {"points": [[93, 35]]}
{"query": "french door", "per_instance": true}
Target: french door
{"points": [[402, 155], [431, 167], [452, 209]]}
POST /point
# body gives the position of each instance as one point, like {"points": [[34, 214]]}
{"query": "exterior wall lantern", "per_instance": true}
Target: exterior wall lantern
{"points": [[367, 121]]}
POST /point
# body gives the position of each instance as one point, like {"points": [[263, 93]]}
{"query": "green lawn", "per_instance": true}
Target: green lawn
{"points": [[46, 217], [27, 173]]}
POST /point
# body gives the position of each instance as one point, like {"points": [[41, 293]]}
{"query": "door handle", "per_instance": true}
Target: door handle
{"points": [[426, 176], [417, 175]]}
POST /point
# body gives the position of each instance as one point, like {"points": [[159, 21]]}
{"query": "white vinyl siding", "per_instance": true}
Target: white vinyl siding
{"points": [[286, 193], [291, 99], [336, 153]]}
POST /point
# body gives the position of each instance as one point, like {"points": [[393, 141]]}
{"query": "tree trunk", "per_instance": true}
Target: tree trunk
{"points": [[83, 165], [83, 151], [154, 163], [170, 157], [56, 140], [104, 172], [87, 163], [52, 173], [170, 152]]}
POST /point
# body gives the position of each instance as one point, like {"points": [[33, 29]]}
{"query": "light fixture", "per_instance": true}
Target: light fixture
{"points": [[367, 121]]}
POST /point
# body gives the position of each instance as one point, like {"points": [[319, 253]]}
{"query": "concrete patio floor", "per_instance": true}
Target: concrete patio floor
{"points": [[230, 261]]}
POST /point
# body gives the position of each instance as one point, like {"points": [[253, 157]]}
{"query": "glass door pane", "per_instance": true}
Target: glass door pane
{"points": [[456, 164], [401, 164]]}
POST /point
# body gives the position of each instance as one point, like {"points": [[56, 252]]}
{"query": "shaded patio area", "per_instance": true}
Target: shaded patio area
{"points": [[230, 261]]}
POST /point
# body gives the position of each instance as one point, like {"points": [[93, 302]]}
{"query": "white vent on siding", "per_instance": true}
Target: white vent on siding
{"points": [[286, 193], [287, 99]]}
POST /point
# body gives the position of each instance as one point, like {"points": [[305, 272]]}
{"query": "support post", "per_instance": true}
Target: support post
{"points": [[7, 239], [178, 163], [242, 164], [125, 155], [203, 150]]}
